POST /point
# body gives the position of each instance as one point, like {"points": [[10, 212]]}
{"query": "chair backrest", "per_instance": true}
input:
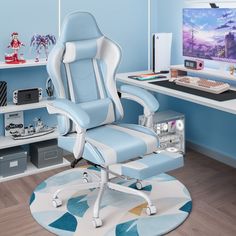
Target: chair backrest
{"points": [[82, 66]]}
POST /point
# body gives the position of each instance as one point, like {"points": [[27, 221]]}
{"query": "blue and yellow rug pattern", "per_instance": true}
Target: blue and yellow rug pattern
{"points": [[122, 214]]}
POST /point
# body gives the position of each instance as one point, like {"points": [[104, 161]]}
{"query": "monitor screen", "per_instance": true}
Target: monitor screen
{"points": [[210, 33]]}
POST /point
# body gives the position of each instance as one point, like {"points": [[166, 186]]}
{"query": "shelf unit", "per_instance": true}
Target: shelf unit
{"points": [[28, 63], [32, 169], [8, 142], [207, 71], [12, 107]]}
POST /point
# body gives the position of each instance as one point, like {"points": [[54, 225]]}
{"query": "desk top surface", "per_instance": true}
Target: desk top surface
{"points": [[227, 106]]}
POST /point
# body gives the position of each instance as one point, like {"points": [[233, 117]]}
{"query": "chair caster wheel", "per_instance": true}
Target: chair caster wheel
{"points": [[56, 202], [86, 178], [151, 210], [97, 222], [85, 175], [139, 185]]}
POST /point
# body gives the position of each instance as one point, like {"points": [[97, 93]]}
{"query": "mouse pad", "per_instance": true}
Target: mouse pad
{"points": [[225, 96]]}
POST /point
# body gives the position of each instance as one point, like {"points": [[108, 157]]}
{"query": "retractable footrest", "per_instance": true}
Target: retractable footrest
{"points": [[150, 165]]}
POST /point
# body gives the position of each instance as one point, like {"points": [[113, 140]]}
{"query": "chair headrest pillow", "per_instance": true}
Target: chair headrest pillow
{"points": [[79, 50]]}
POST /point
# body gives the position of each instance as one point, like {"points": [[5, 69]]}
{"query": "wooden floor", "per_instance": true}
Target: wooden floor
{"points": [[211, 184]]}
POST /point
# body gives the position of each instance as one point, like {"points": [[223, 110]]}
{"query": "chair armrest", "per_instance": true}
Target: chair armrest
{"points": [[141, 96], [71, 110]]}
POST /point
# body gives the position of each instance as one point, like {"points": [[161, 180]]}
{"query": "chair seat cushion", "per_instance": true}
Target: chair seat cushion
{"points": [[118, 144], [150, 165], [114, 143]]}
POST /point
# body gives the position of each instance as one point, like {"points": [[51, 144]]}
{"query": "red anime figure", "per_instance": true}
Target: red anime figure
{"points": [[15, 45]]}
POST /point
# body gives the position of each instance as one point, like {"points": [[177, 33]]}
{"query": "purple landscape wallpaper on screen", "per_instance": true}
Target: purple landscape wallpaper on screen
{"points": [[210, 34]]}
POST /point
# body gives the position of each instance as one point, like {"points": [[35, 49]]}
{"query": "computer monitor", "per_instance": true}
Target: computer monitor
{"points": [[210, 33]]}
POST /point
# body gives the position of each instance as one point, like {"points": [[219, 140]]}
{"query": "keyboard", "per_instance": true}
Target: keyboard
{"points": [[210, 86]]}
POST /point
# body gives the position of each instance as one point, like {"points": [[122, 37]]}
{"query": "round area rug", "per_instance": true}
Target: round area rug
{"points": [[122, 214]]}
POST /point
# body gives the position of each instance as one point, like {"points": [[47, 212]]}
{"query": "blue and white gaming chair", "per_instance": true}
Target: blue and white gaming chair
{"points": [[83, 66]]}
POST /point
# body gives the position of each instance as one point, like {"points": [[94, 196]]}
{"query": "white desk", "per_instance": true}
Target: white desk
{"points": [[227, 106]]}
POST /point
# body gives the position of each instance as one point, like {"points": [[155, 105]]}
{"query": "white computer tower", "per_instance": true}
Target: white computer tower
{"points": [[170, 129]]}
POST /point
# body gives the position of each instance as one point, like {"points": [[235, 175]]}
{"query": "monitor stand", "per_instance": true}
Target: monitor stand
{"points": [[221, 72]]}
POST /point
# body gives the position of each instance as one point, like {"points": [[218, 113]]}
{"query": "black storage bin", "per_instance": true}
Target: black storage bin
{"points": [[45, 153], [12, 161]]}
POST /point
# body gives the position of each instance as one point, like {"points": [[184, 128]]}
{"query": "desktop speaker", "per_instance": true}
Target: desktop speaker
{"points": [[3, 93], [162, 52]]}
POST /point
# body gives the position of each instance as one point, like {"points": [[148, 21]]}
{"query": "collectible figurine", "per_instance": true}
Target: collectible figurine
{"points": [[42, 42], [232, 69], [15, 45]]}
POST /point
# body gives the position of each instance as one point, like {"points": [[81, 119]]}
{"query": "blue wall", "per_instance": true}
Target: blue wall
{"points": [[124, 22], [209, 128]]}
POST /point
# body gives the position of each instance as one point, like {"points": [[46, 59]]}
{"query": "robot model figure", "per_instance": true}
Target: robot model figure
{"points": [[15, 45], [42, 42]]}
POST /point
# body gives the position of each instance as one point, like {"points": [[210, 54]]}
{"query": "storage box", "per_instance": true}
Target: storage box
{"points": [[45, 153], [12, 161]]}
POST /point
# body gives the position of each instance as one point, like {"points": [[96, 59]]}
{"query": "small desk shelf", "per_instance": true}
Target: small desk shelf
{"points": [[207, 72]]}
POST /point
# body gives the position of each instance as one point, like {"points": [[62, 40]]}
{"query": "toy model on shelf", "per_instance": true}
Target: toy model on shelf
{"points": [[34, 134], [15, 45], [42, 42], [210, 86], [39, 129]]}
